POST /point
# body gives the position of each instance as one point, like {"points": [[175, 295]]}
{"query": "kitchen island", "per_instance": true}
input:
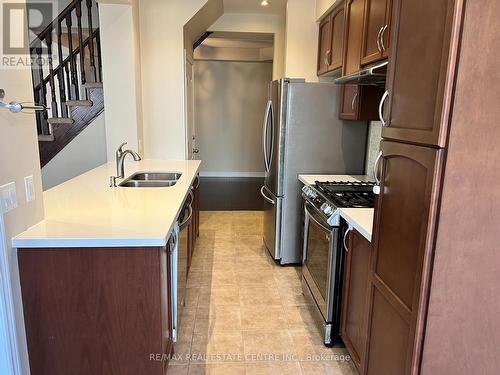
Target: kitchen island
{"points": [[96, 274]]}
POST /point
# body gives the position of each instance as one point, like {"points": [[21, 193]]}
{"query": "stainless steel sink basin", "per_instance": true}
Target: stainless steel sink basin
{"points": [[155, 176], [151, 179], [146, 184]]}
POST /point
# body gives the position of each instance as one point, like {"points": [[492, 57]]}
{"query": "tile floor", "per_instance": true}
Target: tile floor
{"points": [[244, 314]]}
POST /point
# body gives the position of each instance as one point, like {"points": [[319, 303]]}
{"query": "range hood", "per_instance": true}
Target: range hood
{"points": [[373, 75]]}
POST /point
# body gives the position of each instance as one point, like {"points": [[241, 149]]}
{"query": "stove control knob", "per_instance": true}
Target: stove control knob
{"points": [[327, 209]]}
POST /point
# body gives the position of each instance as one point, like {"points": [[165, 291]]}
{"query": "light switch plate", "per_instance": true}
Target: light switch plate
{"points": [[29, 188], [8, 197]]}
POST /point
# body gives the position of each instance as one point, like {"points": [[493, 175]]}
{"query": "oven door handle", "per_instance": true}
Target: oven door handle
{"points": [[309, 214]]}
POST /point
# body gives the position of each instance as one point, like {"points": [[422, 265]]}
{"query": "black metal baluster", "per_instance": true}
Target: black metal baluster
{"points": [[43, 92], [82, 48], [60, 72], [38, 114], [93, 72], [99, 61], [53, 104], [74, 82], [68, 78]]}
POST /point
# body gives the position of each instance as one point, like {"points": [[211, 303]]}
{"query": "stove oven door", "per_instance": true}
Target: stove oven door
{"points": [[319, 269]]}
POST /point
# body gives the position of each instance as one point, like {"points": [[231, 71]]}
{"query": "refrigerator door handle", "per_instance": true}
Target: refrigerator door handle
{"points": [[264, 135], [271, 152], [265, 196]]}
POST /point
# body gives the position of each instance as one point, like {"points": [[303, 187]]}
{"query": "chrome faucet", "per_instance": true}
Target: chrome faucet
{"points": [[120, 159]]}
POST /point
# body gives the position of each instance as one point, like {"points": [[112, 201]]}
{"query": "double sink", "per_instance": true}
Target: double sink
{"points": [[151, 179]]}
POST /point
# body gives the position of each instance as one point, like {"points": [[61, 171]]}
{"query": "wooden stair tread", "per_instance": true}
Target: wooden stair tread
{"points": [[81, 103], [60, 120], [45, 138], [93, 85]]}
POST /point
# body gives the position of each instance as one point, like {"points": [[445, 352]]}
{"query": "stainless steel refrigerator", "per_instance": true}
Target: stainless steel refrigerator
{"points": [[302, 134]]}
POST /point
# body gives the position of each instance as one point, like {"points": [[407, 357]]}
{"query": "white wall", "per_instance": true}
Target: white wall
{"points": [[301, 43], [121, 68], [19, 158], [83, 153], [258, 23], [322, 6], [230, 99], [162, 63]]}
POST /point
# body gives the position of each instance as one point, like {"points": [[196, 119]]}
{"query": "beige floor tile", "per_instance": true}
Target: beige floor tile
{"points": [[251, 278], [224, 346], [217, 369], [214, 318], [199, 279], [253, 263], [262, 317], [294, 296], [273, 368], [268, 345], [259, 296], [177, 369], [302, 316], [224, 295], [320, 368]]}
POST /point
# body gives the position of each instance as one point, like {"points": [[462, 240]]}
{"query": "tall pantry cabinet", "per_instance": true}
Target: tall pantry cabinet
{"points": [[416, 116]]}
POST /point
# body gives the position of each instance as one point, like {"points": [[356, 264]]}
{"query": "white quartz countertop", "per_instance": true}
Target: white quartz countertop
{"points": [[86, 212], [360, 219]]}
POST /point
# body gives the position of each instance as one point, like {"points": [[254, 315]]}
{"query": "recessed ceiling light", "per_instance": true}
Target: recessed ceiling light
{"points": [[264, 3]]}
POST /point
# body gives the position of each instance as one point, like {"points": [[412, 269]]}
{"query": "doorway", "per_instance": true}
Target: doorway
{"points": [[232, 72]]}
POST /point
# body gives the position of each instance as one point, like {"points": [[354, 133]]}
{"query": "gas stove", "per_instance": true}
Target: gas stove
{"points": [[327, 197]]}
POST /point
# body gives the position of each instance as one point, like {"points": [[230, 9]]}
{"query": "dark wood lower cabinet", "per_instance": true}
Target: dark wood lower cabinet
{"points": [[94, 311], [402, 254], [194, 227], [354, 300]]}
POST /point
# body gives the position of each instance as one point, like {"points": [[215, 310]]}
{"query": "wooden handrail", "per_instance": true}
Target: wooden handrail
{"points": [[52, 26]]}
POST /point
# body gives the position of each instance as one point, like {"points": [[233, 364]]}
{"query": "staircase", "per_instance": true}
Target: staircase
{"points": [[67, 76]]}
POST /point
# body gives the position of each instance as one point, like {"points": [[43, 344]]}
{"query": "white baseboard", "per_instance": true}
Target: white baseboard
{"points": [[233, 174]]}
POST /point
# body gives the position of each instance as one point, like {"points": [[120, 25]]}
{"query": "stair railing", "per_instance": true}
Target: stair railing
{"points": [[62, 79]]}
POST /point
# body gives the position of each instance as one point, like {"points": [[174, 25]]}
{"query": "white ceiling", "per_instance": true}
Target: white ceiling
{"points": [[253, 6]]}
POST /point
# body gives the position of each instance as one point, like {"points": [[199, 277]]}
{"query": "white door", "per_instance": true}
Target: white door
{"points": [[191, 150]]}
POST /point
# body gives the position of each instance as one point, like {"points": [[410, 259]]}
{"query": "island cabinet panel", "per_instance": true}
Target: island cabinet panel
{"points": [[354, 305], [402, 253], [93, 311], [422, 68]]}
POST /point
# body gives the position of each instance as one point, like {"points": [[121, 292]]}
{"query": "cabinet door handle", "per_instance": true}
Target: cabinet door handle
{"points": [[326, 60], [345, 238], [354, 101], [381, 109], [376, 188], [378, 39], [376, 168], [382, 38]]}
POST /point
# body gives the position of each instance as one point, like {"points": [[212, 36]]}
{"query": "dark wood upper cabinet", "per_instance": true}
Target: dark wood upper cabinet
{"points": [[324, 46], [421, 70], [354, 305], [352, 35], [356, 102], [402, 252], [331, 41], [376, 31]]}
